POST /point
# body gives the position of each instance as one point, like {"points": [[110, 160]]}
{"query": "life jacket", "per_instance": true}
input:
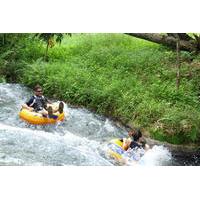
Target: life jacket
{"points": [[39, 102], [133, 144]]}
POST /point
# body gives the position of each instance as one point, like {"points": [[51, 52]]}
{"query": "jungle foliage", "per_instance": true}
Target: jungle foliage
{"points": [[126, 78]]}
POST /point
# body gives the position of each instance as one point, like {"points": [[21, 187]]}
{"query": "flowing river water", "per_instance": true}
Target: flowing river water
{"points": [[80, 140]]}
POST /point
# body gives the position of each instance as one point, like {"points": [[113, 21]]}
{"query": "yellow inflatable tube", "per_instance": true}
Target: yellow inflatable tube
{"points": [[38, 119], [115, 149]]}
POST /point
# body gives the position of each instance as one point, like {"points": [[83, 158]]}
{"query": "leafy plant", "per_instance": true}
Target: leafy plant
{"points": [[128, 79], [50, 39]]}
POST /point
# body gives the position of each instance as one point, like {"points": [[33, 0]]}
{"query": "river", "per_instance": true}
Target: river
{"points": [[78, 141]]}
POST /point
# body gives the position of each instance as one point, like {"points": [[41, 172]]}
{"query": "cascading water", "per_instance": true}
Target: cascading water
{"points": [[79, 140]]}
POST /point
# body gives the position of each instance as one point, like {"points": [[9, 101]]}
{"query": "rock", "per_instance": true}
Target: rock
{"points": [[190, 148]]}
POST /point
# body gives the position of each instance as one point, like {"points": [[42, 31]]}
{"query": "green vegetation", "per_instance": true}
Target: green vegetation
{"points": [[116, 75]]}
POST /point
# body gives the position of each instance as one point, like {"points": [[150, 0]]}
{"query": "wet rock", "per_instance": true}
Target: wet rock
{"points": [[190, 148]]}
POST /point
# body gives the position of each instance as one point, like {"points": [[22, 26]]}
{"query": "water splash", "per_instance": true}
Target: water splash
{"points": [[157, 155], [29, 147], [79, 140]]}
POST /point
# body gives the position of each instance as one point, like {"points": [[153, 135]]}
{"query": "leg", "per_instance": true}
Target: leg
{"points": [[50, 111], [61, 107], [43, 112], [56, 107]]}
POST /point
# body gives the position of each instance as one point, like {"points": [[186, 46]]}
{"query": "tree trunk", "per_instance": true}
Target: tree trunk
{"points": [[169, 40], [182, 36], [178, 64], [197, 40], [3, 38], [46, 52]]}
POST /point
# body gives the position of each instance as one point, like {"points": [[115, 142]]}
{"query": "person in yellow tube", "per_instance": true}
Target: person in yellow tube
{"points": [[134, 142], [41, 104]]}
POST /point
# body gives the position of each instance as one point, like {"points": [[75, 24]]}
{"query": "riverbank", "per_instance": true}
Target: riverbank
{"points": [[178, 149], [128, 79]]}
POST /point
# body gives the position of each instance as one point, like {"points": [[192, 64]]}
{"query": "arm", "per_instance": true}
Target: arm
{"points": [[47, 101], [126, 143], [25, 106]]}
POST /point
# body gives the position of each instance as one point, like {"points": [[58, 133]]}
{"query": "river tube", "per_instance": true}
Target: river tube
{"points": [[115, 149], [38, 119], [129, 157]]}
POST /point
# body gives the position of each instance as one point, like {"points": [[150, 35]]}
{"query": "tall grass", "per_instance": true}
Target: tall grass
{"points": [[126, 78], [20, 50]]}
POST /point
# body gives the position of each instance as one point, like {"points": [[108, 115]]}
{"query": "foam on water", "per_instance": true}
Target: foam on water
{"points": [[157, 155], [30, 146], [76, 141]]}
